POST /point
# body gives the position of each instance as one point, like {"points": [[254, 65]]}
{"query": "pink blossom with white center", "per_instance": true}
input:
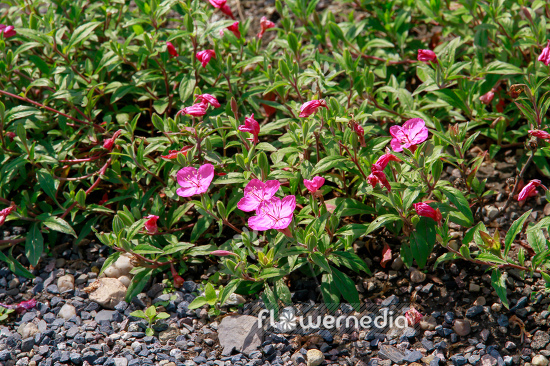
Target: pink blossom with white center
{"points": [[193, 181], [257, 192], [273, 214]]}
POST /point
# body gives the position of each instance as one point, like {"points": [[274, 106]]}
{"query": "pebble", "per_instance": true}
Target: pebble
{"points": [[462, 327], [316, 357], [65, 283], [496, 307], [417, 276], [474, 311], [539, 360], [67, 312]]}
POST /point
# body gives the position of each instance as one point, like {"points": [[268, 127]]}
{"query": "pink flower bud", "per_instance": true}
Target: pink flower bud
{"points": [[222, 253], [7, 30], [227, 11], [530, 189], [314, 184], [196, 110], [217, 3], [151, 224], [540, 134], [427, 56], [5, 212], [487, 98], [545, 55], [110, 143], [235, 29], [423, 209], [252, 126], [10, 135], [308, 108], [209, 99], [205, 56], [171, 49], [265, 25]]}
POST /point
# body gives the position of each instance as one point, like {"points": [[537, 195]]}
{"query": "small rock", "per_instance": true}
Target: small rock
{"points": [[125, 280], [27, 330], [428, 323], [65, 283], [315, 357], [391, 353], [540, 340], [120, 361], [109, 292], [413, 356], [459, 360], [480, 301], [67, 311], [474, 288], [474, 311], [462, 327], [496, 307], [488, 360], [539, 360], [239, 332], [417, 276], [170, 333]]}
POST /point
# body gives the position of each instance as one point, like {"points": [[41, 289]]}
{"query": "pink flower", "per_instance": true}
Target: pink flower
{"points": [[252, 126], [205, 56], [233, 28], [530, 189], [193, 181], [426, 56], [7, 30], [540, 134], [413, 316], [273, 214], [10, 135], [265, 24], [151, 224], [196, 110], [412, 133], [110, 143], [378, 176], [314, 184], [227, 11], [5, 212], [22, 306], [171, 49], [208, 99], [545, 55], [222, 253], [423, 209], [308, 108], [257, 192], [487, 98], [218, 3], [178, 280], [383, 161], [173, 154]]}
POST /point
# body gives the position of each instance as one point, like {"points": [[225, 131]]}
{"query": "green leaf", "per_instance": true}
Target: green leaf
{"points": [[46, 182], [499, 284], [138, 283], [197, 303], [320, 260], [58, 224], [138, 314], [423, 240], [327, 163], [34, 245], [174, 248], [502, 68], [381, 221], [514, 230], [163, 315], [446, 257], [229, 289], [537, 240], [81, 33], [134, 229], [210, 294], [461, 203], [331, 295], [346, 287], [283, 293], [351, 260], [151, 312], [146, 249]]}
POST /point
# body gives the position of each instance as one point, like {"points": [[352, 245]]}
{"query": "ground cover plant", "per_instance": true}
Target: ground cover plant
{"points": [[177, 134]]}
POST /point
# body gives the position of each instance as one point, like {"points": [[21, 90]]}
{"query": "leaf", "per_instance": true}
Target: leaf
{"points": [[514, 230], [138, 314], [138, 283], [499, 284], [151, 312], [320, 260], [502, 68], [58, 224], [446, 257], [229, 290], [537, 241], [134, 229], [346, 287], [81, 33], [200, 227], [197, 303], [174, 248], [423, 241], [461, 203], [327, 163], [386, 255], [146, 249], [350, 260], [331, 295], [46, 182], [381, 221], [34, 245]]}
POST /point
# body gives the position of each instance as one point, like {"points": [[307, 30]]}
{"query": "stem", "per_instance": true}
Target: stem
{"points": [[52, 110]]}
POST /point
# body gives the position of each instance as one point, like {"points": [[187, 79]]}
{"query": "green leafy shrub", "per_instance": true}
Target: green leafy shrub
{"points": [[92, 139]]}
